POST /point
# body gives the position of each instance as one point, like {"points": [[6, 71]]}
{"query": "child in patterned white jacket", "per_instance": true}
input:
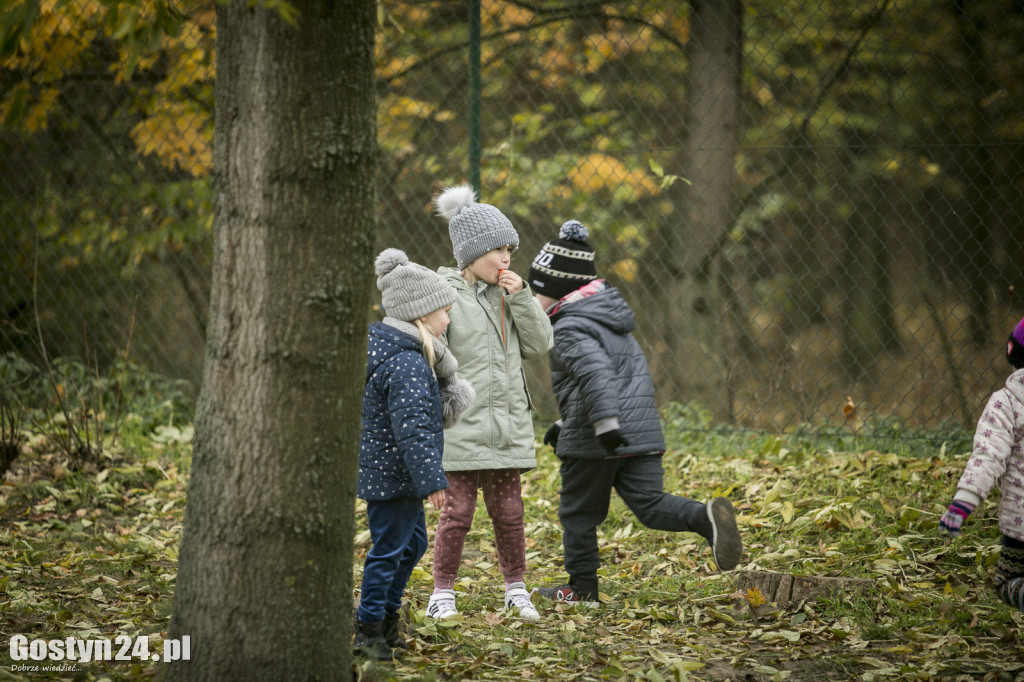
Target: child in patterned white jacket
{"points": [[998, 459]]}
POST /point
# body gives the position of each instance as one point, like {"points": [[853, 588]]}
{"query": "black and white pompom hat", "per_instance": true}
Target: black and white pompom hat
{"points": [[564, 264]]}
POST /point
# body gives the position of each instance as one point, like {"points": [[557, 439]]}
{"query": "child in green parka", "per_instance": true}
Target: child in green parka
{"points": [[495, 323]]}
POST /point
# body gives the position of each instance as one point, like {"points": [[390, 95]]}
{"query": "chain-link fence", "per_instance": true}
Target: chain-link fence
{"points": [[810, 205]]}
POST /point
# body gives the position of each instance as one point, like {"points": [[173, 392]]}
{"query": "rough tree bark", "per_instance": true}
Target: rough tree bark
{"points": [[786, 589], [264, 586]]}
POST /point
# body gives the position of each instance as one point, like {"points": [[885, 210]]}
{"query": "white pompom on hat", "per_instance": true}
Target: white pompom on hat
{"points": [[409, 290], [474, 228]]}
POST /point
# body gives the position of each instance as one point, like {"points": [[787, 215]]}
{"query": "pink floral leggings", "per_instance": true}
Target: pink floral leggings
{"points": [[503, 496]]}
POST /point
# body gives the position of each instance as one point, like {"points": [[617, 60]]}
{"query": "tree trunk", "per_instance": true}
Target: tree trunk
{"points": [[687, 335], [264, 587], [866, 307], [977, 174]]}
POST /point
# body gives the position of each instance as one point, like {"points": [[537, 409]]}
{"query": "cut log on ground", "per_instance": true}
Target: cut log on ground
{"points": [[786, 589]]}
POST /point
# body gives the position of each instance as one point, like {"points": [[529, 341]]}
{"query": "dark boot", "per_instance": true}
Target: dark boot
{"points": [[392, 634], [370, 642], [1012, 592]]}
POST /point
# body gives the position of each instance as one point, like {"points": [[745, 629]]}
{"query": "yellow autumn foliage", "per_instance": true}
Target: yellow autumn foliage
{"points": [[626, 269], [52, 49], [175, 114], [599, 171], [390, 68], [174, 127], [35, 118], [398, 116], [504, 14], [557, 66], [173, 136]]}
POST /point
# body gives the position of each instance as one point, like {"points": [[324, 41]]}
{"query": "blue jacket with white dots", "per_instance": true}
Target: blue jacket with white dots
{"points": [[403, 435]]}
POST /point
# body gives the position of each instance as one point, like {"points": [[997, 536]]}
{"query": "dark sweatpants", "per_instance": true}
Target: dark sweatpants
{"points": [[398, 529], [586, 493]]}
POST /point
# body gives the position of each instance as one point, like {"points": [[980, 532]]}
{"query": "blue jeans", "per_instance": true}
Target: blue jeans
{"points": [[398, 529], [586, 493]]}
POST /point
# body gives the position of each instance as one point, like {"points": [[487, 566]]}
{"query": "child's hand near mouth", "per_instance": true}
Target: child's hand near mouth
{"points": [[510, 281]]}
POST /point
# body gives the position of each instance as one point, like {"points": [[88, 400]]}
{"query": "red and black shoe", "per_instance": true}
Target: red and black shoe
{"points": [[567, 594]]}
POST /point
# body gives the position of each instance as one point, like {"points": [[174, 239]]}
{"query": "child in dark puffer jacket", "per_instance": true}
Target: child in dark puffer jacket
{"points": [[609, 434]]}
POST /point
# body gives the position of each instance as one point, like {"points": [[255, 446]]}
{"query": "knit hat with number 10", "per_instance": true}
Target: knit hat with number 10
{"points": [[564, 264]]}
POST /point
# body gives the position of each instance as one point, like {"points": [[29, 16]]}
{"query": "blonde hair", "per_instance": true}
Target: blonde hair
{"points": [[428, 343]]}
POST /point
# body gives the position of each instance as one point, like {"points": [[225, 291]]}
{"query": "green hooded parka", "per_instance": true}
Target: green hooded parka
{"points": [[496, 432]]}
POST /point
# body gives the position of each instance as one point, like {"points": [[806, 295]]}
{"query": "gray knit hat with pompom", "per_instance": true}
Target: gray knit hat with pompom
{"points": [[409, 290], [474, 228]]}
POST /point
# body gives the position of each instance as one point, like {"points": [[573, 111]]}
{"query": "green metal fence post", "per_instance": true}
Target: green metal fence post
{"points": [[474, 94]]}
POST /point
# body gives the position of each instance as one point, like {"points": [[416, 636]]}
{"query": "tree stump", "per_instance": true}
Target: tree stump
{"points": [[786, 589]]}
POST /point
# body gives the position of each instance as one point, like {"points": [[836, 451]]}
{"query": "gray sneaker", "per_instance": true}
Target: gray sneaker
{"points": [[726, 543]]}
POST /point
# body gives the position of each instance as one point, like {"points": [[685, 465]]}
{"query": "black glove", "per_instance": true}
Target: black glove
{"points": [[551, 437], [611, 439]]}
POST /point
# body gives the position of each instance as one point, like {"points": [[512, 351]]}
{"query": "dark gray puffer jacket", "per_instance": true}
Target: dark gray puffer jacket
{"points": [[598, 372]]}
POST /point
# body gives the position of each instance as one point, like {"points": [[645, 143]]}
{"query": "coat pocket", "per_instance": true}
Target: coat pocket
{"points": [[526, 389]]}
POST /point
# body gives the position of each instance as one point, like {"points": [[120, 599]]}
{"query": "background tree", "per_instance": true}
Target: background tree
{"points": [[697, 322], [264, 584]]}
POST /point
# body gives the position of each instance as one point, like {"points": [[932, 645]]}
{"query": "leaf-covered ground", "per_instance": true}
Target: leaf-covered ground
{"points": [[92, 553]]}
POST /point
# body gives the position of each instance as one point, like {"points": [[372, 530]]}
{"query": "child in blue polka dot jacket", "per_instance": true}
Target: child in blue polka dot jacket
{"points": [[412, 394], [997, 458]]}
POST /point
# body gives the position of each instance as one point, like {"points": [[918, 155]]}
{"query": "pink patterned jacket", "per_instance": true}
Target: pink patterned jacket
{"points": [[998, 457]]}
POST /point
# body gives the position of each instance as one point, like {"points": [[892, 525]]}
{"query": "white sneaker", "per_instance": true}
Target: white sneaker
{"points": [[442, 605], [517, 597]]}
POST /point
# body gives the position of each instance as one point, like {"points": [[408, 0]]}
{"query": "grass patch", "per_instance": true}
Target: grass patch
{"points": [[93, 554]]}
